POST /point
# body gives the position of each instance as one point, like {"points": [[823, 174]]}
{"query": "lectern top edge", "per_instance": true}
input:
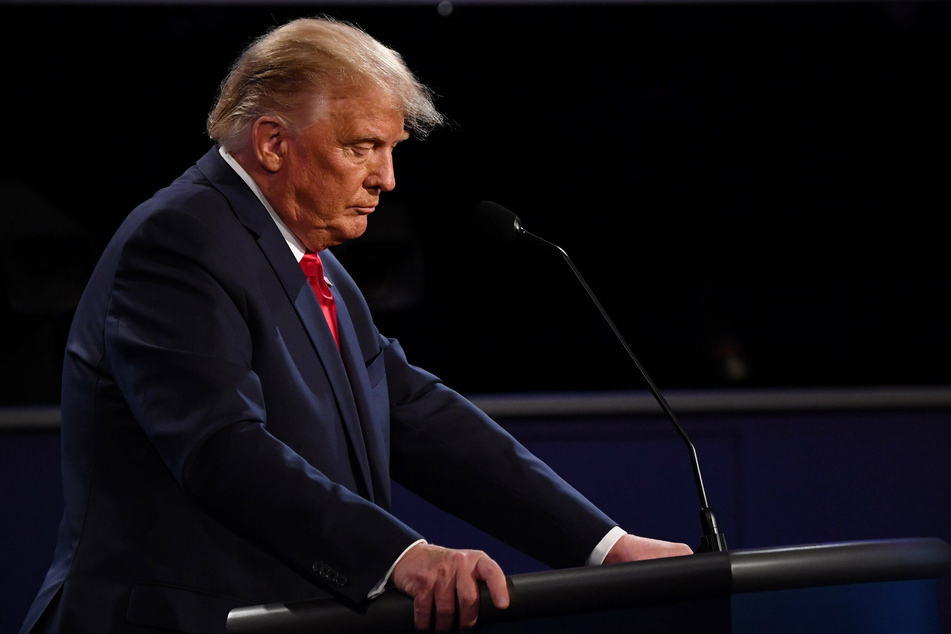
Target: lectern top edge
{"points": [[636, 583]]}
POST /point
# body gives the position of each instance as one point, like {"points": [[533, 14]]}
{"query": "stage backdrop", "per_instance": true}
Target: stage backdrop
{"points": [[753, 189]]}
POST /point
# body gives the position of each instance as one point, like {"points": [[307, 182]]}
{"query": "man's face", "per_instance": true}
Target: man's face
{"points": [[337, 168]]}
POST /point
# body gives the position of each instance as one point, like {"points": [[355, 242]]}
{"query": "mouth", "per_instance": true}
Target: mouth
{"points": [[364, 211]]}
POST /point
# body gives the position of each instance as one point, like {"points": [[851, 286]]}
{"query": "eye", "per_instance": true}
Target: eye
{"points": [[361, 149]]}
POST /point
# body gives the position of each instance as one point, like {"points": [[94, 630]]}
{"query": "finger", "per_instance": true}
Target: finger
{"points": [[491, 573], [445, 600], [423, 609], [468, 592]]}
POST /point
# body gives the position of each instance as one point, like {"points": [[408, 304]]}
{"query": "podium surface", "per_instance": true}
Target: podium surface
{"points": [[877, 586]]}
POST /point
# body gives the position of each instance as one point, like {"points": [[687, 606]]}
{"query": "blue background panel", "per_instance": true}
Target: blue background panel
{"points": [[773, 479]]}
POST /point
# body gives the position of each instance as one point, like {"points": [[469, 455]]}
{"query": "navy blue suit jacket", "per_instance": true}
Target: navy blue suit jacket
{"points": [[219, 451]]}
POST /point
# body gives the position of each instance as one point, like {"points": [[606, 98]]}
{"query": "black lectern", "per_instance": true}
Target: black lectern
{"points": [[884, 586]]}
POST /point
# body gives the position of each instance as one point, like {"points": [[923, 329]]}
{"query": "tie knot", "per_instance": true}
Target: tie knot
{"points": [[312, 266], [314, 270]]}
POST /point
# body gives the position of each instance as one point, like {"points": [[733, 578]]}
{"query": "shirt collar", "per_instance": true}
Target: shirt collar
{"points": [[295, 245]]}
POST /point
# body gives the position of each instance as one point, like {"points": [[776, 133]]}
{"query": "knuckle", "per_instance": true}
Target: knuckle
{"points": [[468, 596], [422, 586], [486, 563]]}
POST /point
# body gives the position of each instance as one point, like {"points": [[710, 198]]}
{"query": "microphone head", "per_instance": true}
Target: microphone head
{"points": [[496, 220]]}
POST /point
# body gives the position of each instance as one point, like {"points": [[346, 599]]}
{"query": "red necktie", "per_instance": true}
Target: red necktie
{"points": [[314, 270]]}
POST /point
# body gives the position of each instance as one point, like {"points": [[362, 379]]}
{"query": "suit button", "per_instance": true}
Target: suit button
{"points": [[325, 571]]}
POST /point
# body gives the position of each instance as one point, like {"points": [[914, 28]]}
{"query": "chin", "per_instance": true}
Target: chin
{"points": [[357, 228], [350, 232]]}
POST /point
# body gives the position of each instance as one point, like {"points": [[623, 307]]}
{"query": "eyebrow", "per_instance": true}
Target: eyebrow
{"points": [[377, 140]]}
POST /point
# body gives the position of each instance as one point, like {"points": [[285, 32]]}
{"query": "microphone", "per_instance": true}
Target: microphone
{"points": [[499, 222]]}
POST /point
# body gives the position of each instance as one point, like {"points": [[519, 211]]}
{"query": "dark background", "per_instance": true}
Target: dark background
{"points": [[754, 190]]}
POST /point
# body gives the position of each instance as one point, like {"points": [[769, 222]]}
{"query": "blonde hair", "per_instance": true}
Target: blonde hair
{"points": [[293, 68]]}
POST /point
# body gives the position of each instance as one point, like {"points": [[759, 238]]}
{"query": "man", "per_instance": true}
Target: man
{"points": [[231, 416]]}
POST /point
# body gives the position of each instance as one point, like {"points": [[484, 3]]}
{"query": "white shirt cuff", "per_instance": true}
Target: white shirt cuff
{"points": [[378, 589], [605, 545]]}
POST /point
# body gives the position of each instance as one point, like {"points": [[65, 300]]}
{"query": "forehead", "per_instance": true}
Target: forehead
{"points": [[364, 113]]}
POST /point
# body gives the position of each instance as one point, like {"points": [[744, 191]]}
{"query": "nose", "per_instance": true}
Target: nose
{"points": [[381, 176]]}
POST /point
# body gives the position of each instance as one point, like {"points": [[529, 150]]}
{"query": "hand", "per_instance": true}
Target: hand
{"points": [[435, 575], [634, 548]]}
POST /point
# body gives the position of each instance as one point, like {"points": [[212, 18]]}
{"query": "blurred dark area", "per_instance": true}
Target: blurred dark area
{"points": [[755, 191]]}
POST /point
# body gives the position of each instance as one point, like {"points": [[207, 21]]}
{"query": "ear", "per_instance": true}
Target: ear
{"points": [[269, 141]]}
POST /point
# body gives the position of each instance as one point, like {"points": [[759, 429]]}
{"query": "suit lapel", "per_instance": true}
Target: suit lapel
{"points": [[360, 384], [256, 218], [302, 295]]}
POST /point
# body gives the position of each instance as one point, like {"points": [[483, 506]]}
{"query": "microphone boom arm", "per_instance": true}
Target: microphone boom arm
{"points": [[713, 540]]}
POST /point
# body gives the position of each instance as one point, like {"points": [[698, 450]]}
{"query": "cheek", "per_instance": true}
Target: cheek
{"points": [[341, 184], [323, 190]]}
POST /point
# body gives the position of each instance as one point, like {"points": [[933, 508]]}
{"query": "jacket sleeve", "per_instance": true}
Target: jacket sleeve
{"points": [[449, 452], [178, 343]]}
